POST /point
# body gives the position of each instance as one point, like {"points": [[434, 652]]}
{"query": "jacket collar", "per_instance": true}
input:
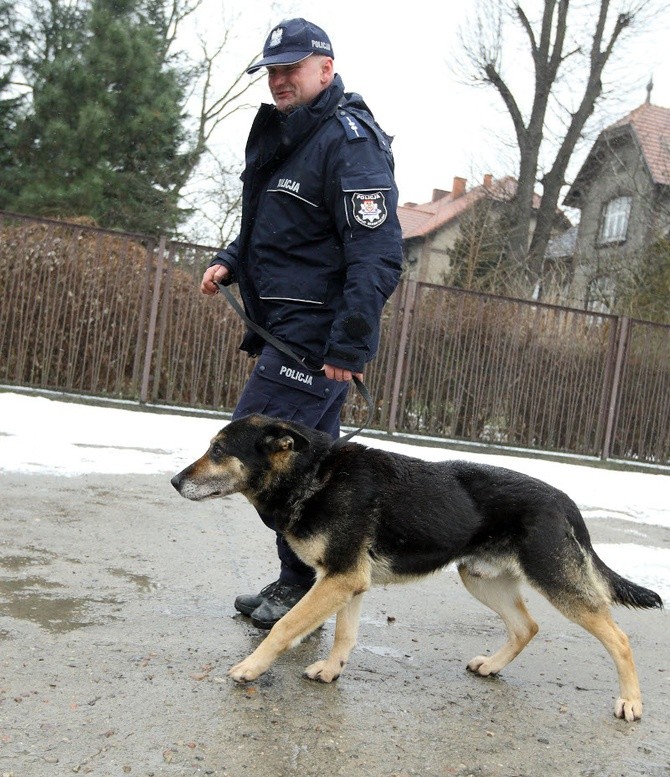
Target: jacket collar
{"points": [[275, 135], [300, 122]]}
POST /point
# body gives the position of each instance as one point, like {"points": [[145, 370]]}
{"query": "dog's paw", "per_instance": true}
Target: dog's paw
{"points": [[245, 671], [323, 672], [628, 709], [482, 666]]}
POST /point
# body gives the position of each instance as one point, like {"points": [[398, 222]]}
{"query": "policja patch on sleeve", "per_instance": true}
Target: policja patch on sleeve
{"points": [[369, 208]]}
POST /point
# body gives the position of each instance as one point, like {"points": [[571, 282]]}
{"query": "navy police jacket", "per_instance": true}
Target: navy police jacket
{"points": [[319, 250]]}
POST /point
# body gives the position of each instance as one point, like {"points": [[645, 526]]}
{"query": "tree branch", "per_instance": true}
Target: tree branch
{"points": [[494, 78], [529, 30]]}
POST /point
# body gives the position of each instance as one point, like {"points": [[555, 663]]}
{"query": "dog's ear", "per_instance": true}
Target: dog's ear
{"points": [[280, 438]]}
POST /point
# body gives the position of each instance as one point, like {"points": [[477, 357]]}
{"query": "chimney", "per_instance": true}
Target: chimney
{"points": [[488, 181], [458, 189], [438, 194]]}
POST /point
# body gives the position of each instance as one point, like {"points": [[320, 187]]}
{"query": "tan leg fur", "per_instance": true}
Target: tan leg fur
{"points": [[501, 593], [328, 596], [601, 624], [346, 632]]}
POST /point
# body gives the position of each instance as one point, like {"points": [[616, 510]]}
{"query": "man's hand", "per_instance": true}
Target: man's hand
{"points": [[337, 373], [217, 273]]}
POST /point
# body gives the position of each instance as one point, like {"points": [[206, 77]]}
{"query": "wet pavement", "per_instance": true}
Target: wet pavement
{"points": [[117, 629]]}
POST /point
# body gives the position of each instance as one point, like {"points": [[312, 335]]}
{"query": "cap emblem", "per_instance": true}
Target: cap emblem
{"points": [[275, 38]]}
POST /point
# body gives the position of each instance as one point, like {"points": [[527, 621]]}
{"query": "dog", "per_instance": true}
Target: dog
{"points": [[362, 517]]}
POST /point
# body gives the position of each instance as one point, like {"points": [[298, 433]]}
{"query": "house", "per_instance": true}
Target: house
{"points": [[623, 193], [431, 229]]}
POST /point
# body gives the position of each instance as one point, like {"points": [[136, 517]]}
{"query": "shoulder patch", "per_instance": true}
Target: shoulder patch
{"points": [[369, 208], [353, 128]]}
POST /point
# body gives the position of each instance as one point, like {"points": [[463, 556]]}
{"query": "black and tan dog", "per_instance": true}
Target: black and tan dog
{"points": [[364, 517]]}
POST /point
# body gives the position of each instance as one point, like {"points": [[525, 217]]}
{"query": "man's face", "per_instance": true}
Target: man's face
{"points": [[294, 85]]}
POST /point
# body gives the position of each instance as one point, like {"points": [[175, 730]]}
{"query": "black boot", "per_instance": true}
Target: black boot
{"points": [[272, 603], [247, 603]]}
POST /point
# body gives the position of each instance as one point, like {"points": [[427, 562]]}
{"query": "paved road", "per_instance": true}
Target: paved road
{"points": [[117, 628]]}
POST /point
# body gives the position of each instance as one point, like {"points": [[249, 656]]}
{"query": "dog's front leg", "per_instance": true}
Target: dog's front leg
{"points": [[346, 632], [326, 597]]}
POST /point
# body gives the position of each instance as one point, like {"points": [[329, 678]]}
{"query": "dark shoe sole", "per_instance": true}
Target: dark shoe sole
{"points": [[266, 625]]}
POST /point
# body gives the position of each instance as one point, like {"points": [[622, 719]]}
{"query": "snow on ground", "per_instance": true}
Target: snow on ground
{"points": [[39, 435]]}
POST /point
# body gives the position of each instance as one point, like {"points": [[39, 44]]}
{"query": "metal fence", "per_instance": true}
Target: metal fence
{"points": [[111, 314]]}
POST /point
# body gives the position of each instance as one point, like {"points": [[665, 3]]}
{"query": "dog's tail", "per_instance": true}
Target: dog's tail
{"points": [[625, 592]]}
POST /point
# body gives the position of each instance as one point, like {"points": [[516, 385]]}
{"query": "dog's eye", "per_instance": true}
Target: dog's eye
{"points": [[217, 450]]}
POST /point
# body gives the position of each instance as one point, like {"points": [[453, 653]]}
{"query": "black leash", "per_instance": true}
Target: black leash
{"points": [[280, 346]]}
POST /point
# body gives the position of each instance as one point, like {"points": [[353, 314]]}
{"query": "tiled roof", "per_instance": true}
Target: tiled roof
{"points": [[651, 125], [421, 220]]}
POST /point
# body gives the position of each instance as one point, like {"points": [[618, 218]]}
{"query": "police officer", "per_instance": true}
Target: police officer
{"points": [[318, 254]]}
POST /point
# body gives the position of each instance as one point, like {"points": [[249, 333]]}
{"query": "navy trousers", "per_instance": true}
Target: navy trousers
{"points": [[281, 388]]}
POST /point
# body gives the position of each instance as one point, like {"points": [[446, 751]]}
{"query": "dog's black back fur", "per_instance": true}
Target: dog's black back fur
{"points": [[462, 509]]}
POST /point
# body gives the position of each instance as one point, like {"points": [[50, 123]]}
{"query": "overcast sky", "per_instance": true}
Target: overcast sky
{"points": [[398, 57]]}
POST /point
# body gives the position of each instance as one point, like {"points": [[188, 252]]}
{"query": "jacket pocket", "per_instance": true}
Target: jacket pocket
{"points": [[312, 292], [360, 182], [278, 368]]}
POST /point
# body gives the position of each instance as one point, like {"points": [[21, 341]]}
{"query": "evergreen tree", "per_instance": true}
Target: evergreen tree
{"points": [[10, 105], [105, 132]]}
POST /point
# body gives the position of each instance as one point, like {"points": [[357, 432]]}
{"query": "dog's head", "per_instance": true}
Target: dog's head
{"points": [[247, 456]]}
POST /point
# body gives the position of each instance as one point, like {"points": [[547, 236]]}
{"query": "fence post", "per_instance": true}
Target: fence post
{"points": [[162, 321], [392, 334], [407, 311], [153, 315], [613, 399]]}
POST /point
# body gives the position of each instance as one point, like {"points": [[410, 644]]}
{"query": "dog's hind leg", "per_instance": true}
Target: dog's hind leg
{"points": [[500, 592], [326, 597], [601, 624], [346, 632]]}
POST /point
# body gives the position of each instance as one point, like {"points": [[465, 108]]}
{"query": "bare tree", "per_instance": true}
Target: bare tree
{"points": [[215, 200], [221, 89], [215, 103], [219, 86], [568, 48]]}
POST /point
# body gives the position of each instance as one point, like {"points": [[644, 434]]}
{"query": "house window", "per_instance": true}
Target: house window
{"points": [[614, 224], [600, 295]]}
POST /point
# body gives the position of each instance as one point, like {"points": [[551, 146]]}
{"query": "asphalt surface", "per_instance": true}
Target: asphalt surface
{"points": [[117, 629]]}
